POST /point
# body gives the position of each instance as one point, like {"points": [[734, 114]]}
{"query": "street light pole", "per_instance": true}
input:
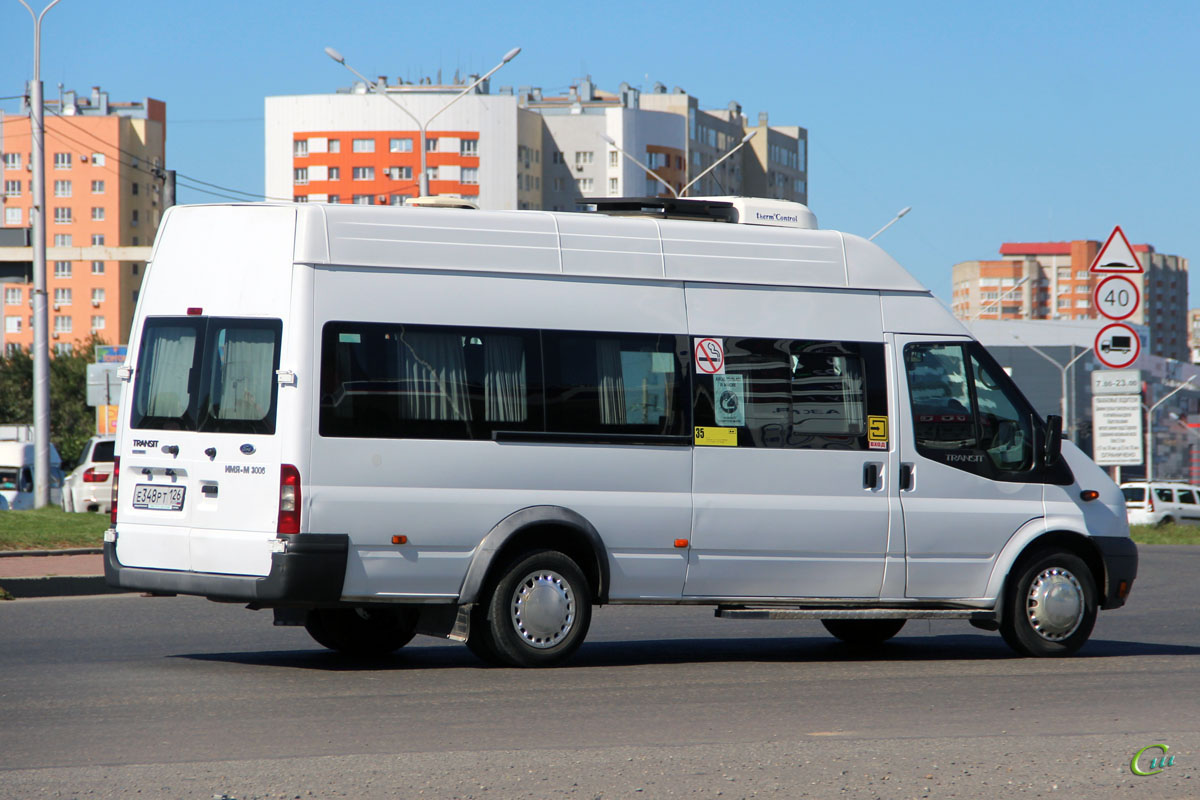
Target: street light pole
{"points": [[1064, 406], [41, 328], [713, 165], [423, 181], [611, 142], [895, 219], [1150, 426]]}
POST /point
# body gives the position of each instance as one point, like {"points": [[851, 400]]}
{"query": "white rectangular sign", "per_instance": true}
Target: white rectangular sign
{"points": [[1117, 381], [1117, 429]]}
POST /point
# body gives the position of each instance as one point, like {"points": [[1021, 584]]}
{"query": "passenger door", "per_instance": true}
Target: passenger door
{"points": [[791, 461], [969, 475]]}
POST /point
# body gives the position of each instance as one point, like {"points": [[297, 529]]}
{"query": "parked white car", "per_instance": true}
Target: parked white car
{"points": [[89, 486], [1161, 503]]}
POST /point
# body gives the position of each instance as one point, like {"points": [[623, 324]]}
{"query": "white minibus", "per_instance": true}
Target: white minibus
{"points": [[384, 421]]}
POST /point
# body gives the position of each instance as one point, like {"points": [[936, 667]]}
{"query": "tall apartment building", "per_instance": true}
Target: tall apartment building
{"points": [[521, 149], [1050, 280], [102, 193]]}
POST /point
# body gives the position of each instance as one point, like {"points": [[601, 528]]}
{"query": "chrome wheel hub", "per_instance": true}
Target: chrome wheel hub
{"points": [[1055, 604], [543, 609]]}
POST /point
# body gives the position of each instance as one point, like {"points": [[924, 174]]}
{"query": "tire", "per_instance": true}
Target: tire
{"points": [[362, 631], [1167, 520], [1050, 605], [537, 613], [863, 632]]}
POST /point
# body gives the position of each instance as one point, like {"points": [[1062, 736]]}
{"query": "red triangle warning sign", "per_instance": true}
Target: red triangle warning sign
{"points": [[1116, 255]]}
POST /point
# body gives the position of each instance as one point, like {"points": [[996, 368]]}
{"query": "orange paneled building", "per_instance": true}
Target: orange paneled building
{"points": [[103, 192]]}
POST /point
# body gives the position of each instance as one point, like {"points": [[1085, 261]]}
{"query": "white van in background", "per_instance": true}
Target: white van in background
{"points": [[1162, 502], [16, 474], [387, 421]]}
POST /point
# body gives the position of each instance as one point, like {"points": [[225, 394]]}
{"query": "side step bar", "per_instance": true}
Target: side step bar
{"points": [[742, 612]]}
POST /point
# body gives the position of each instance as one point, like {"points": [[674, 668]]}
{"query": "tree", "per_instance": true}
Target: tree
{"points": [[72, 420]]}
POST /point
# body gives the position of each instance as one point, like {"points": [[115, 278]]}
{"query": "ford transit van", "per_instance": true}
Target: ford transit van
{"points": [[380, 422]]}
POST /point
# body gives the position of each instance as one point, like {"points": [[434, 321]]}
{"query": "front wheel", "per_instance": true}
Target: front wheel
{"points": [[362, 631], [863, 632], [538, 612], [1051, 607]]}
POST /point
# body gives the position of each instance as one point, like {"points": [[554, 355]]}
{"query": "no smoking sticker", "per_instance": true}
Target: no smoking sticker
{"points": [[710, 356]]}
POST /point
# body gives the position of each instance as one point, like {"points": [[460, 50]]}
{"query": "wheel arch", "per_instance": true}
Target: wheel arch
{"points": [[553, 527], [1039, 535]]}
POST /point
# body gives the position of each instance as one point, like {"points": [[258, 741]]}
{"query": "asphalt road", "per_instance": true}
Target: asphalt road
{"points": [[124, 696]]}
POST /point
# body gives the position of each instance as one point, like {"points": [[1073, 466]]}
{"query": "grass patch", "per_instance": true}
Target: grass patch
{"points": [[1165, 534], [5, 594], [50, 528]]}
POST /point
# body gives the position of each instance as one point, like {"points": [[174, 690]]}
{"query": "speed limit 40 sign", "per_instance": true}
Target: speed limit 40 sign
{"points": [[1116, 297]]}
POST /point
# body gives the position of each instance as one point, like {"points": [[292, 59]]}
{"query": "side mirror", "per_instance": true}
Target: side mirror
{"points": [[1052, 449]]}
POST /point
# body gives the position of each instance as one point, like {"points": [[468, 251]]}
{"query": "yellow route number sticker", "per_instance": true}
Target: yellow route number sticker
{"points": [[716, 437], [877, 433]]}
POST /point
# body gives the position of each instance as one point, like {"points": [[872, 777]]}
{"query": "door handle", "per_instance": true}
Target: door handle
{"points": [[871, 473], [906, 477]]}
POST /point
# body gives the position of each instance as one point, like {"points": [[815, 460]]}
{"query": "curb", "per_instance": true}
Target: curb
{"points": [[59, 586], [70, 551]]}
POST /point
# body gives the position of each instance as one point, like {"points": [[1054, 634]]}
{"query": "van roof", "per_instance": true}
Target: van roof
{"points": [[584, 244]]}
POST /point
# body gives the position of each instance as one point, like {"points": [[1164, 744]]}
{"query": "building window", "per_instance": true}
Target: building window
{"points": [[62, 215], [397, 200], [12, 296], [97, 322], [97, 213], [63, 348], [12, 324], [12, 188], [612, 186], [98, 240], [62, 160], [364, 199], [98, 159], [300, 148], [400, 173], [585, 184], [558, 184], [1081, 275], [468, 147], [470, 174], [133, 188], [135, 243], [62, 188], [431, 173], [62, 269], [62, 240], [335, 173], [653, 187], [364, 146], [12, 216], [1083, 303], [62, 297], [334, 198], [583, 157], [133, 218], [400, 145], [97, 187], [614, 158], [364, 173], [97, 269], [431, 145], [300, 176], [12, 160], [62, 324]]}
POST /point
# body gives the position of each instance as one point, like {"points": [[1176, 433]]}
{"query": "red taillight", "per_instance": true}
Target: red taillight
{"points": [[1149, 501], [116, 473], [289, 499], [91, 476]]}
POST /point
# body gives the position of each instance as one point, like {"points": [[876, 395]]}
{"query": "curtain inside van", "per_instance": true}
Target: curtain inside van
{"points": [[433, 369], [171, 355], [504, 388], [243, 373], [610, 382]]}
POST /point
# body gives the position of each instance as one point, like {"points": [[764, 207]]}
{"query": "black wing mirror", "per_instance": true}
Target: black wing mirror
{"points": [[1052, 448]]}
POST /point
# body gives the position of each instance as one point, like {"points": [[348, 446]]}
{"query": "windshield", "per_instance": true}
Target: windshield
{"points": [[207, 374]]}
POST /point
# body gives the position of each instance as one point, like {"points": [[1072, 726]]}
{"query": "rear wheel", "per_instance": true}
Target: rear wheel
{"points": [[362, 631], [863, 632], [1167, 520], [1050, 606], [537, 614]]}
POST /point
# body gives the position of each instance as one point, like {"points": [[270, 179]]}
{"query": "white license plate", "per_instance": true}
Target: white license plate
{"points": [[158, 498]]}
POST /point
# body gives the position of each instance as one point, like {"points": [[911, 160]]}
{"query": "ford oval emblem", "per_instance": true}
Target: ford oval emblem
{"points": [[247, 449]]}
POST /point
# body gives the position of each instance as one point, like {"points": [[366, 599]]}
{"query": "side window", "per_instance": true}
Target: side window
{"points": [[614, 383], [797, 393], [967, 413], [1187, 496], [420, 381], [1164, 495]]}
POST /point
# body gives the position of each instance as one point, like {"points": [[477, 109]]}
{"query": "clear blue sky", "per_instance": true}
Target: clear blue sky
{"points": [[996, 122]]}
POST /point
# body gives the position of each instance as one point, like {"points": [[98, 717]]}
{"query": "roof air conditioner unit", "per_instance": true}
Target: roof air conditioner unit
{"points": [[579, 167], [95, 304], [55, 334]]}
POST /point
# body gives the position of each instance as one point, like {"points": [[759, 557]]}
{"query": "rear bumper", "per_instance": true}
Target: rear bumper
{"points": [[310, 570], [1120, 565]]}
